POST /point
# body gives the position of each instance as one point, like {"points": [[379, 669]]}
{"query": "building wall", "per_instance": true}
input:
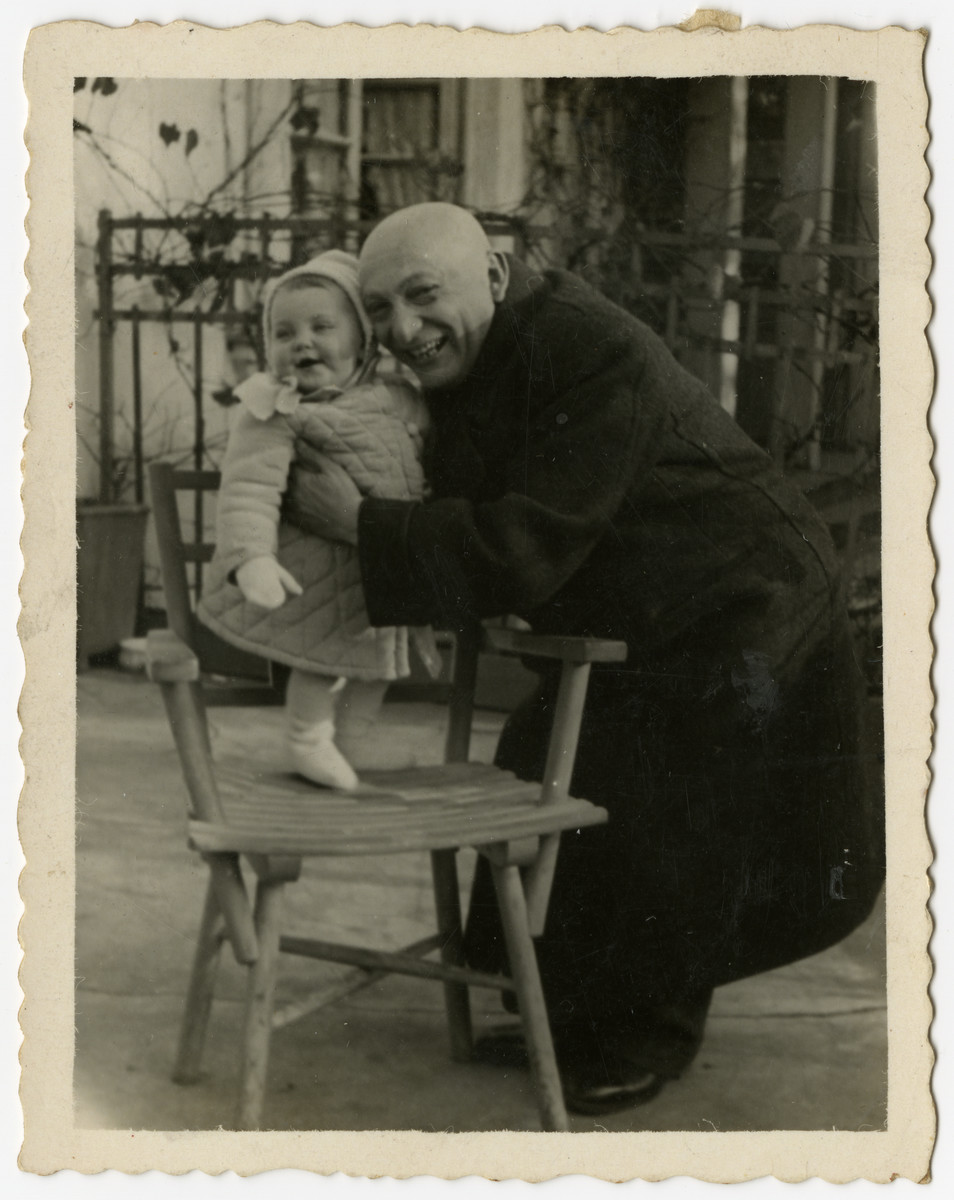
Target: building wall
{"points": [[494, 144], [124, 165]]}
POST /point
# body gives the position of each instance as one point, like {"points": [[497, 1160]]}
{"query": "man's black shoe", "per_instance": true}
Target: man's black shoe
{"points": [[589, 1088], [596, 1097]]}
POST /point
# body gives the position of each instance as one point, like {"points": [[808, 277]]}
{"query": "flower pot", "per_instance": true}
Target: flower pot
{"points": [[109, 563]]}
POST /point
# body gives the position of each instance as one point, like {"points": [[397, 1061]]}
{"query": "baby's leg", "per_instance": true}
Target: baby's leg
{"points": [[310, 716], [358, 707]]}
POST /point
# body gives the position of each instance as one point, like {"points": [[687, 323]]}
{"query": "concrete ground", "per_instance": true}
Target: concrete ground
{"points": [[804, 1047]]}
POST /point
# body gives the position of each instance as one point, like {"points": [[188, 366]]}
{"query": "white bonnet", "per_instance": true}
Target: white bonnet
{"points": [[338, 267]]}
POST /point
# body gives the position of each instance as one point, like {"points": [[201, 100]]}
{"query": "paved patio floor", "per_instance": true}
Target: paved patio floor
{"points": [[804, 1047]]}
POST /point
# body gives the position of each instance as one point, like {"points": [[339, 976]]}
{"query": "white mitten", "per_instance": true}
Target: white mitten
{"points": [[265, 582]]}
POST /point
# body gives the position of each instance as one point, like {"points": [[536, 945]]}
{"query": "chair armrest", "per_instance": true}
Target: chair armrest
{"points": [[569, 649], [169, 659]]}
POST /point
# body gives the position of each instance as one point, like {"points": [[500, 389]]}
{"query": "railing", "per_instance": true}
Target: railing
{"points": [[208, 271]]}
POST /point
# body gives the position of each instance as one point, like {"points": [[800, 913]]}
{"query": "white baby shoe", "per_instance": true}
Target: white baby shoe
{"points": [[312, 753]]}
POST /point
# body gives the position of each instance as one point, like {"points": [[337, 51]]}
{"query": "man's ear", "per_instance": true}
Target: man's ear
{"points": [[498, 270]]}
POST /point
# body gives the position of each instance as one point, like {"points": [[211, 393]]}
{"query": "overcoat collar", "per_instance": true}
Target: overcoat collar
{"points": [[502, 349]]}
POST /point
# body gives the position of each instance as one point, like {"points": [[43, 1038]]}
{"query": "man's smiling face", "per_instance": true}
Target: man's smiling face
{"points": [[430, 296]]}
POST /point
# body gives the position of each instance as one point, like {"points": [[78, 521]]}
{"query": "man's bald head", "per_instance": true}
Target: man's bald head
{"points": [[431, 230], [430, 281]]}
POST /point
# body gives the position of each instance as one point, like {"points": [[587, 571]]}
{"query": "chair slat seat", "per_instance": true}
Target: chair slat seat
{"points": [[420, 808]]}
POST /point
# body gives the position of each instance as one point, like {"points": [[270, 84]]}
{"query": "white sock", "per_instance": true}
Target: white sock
{"points": [[359, 704]]}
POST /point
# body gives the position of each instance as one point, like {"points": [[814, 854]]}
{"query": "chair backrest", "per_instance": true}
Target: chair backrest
{"points": [[217, 657], [176, 554]]}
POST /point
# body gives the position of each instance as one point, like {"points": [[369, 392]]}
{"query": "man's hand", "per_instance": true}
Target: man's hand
{"points": [[265, 582], [322, 498]]}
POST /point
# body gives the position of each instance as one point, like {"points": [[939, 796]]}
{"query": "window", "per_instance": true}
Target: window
{"points": [[367, 147], [410, 143]]}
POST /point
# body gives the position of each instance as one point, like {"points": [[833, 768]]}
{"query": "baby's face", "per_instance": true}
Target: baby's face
{"points": [[315, 336]]}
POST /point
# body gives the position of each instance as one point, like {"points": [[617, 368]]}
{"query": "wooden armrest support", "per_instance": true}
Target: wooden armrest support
{"points": [[569, 649], [169, 659]]}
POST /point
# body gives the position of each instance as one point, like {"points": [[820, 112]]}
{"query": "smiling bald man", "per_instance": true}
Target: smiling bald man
{"points": [[584, 481]]}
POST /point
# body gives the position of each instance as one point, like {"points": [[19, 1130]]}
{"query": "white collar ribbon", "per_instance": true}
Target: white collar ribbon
{"points": [[264, 395]]}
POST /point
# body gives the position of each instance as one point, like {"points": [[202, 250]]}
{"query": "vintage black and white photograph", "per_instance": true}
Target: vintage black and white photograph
{"points": [[480, 654]]}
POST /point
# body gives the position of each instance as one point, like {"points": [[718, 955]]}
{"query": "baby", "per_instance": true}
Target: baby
{"points": [[288, 595]]}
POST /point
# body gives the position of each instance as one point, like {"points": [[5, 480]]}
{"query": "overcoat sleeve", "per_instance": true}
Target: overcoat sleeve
{"points": [[567, 464], [254, 476]]}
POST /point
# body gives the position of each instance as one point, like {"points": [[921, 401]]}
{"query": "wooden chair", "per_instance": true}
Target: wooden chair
{"points": [[244, 809]]}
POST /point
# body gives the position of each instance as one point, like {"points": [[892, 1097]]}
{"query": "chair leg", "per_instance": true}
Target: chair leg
{"points": [[449, 927], [259, 1001], [533, 1011], [198, 1005]]}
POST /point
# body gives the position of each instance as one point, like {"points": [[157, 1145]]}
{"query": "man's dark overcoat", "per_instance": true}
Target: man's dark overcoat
{"points": [[584, 481]]}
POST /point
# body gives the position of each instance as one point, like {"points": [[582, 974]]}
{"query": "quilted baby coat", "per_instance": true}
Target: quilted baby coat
{"points": [[373, 431]]}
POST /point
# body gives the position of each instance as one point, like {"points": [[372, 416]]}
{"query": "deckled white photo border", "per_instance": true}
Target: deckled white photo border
{"points": [[891, 57]]}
